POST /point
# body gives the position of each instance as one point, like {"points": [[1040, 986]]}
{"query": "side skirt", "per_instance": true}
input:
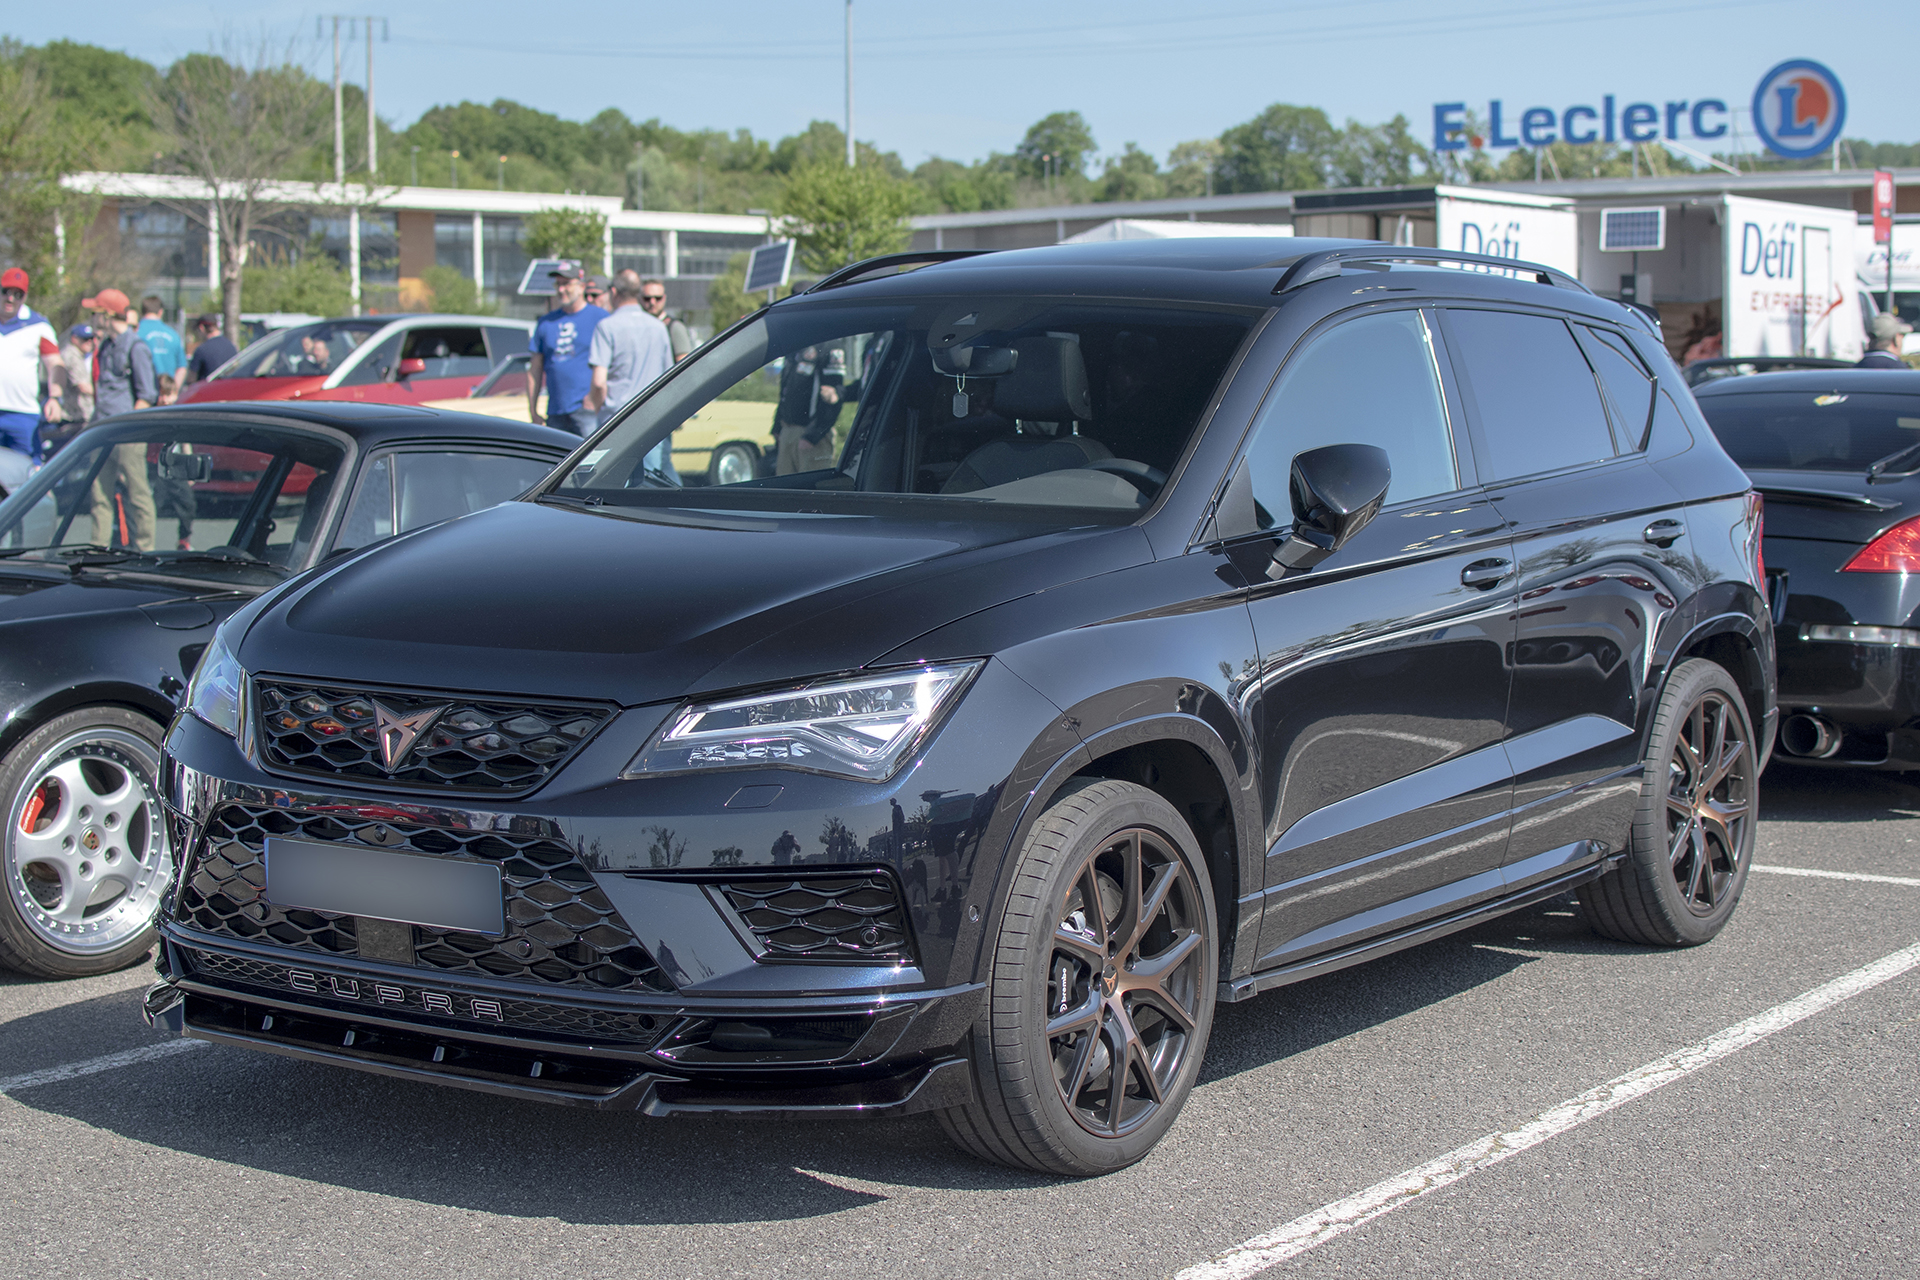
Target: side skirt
{"points": [[1374, 948]]}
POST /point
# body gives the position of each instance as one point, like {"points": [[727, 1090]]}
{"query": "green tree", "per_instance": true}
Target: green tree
{"points": [[310, 282], [1190, 167], [727, 297], [1383, 155], [567, 233], [1065, 137], [1284, 148], [947, 186], [239, 123], [1131, 175], [841, 215], [455, 293], [34, 151]]}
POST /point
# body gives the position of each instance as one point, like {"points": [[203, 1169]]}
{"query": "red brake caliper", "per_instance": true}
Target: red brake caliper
{"points": [[36, 806]]}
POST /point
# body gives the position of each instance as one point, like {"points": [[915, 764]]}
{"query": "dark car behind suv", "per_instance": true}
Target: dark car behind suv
{"points": [[1152, 624]]}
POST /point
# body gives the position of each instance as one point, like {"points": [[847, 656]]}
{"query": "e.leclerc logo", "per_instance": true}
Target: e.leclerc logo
{"points": [[1799, 109]]}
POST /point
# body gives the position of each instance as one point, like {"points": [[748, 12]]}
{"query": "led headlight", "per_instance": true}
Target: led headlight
{"points": [[862, 728], [218, 687]]}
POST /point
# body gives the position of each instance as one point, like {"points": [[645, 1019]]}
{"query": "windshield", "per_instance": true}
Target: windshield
{"points": [[1812, 430], [237, 504], [1062, 406], [305, 351]]}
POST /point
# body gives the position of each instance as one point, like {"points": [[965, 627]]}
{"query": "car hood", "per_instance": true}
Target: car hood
{"points": [[542, 600], [32, 595]]}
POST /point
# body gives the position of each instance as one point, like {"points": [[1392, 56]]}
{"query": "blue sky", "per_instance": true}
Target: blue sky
{"points": [[961, 80]]}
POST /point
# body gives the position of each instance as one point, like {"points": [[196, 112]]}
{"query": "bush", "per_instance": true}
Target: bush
{"points": [[312, 283], [455, 293]]}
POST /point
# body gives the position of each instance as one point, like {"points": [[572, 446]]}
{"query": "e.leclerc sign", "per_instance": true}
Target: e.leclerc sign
{"points": [[1799, 109]]}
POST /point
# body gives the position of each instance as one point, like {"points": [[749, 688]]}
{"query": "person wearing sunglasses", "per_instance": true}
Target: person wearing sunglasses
{"points": [[29, 349], [653, 300]]}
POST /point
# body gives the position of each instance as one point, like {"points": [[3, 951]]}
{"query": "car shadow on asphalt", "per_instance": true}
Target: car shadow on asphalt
{"points": [[472, 1151], [1801, 793]]}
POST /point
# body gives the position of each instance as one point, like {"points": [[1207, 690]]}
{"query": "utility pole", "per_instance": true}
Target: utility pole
{"points": [[849, 84], [339, 120], [373, 130]]}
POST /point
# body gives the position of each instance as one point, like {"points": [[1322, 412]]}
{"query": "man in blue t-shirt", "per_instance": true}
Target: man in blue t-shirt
{"points": [[562, 343], [169, 353]]}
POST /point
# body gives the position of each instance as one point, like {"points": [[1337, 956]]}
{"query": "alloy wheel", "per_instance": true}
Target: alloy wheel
{"points": [[1710, 799], [87, 853], [1124, 982]]}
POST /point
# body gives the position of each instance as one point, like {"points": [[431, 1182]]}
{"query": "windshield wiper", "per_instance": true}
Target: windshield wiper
{"points": [[1900, 462], [51, 546]]}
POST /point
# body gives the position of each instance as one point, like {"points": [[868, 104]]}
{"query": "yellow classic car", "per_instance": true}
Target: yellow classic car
{"points": [[721, 444]]}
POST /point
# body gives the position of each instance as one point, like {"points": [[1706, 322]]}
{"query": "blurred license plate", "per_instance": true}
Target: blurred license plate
{"points": [[406, 887]]}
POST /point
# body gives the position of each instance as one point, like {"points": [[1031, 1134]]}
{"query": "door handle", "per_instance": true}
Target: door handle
{"points": [[1664, 533], [1485, 573]]}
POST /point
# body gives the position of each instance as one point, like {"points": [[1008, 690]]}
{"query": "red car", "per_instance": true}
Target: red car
{"points": [[387, 359]]}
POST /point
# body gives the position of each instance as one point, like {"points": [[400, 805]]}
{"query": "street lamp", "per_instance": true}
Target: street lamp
{"points": [[503, 173], [453, 168], [414, 161]]}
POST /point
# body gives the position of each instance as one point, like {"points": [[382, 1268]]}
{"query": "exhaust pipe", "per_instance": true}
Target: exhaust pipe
{"points": [[1811, 737]]}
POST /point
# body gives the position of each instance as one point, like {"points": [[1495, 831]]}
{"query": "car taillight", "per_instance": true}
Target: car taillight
{"points": [[1895, 551]]}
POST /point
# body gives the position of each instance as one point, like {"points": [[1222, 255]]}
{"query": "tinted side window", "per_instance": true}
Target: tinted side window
{"points": [[371, 516], [376, 366], [1368, 381], [1538, 406], [449, 353], [503, 342], [1629, 385], [439, 486]]}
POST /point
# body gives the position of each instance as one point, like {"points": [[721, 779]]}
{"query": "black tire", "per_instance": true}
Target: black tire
{"points": [[733, 463], [83, 816], [1693, 832], [1051, 1013]]}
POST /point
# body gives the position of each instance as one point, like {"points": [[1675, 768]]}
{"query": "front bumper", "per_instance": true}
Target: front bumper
{"points": [[630, 975]]}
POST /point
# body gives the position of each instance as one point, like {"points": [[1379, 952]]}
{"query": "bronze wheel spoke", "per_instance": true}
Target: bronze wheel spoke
{"points": [[1094, 911], [1166, 876], [1158, 967], [1086, 1015], [1166, 1006], [1083, 948], [1082, 1058], [1139, 1061], [1682, 839], [1120, 1039], [1699, 847]]}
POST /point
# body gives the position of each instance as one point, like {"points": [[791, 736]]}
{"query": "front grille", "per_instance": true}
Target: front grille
{"points": [[473, 744], [481, 1012], [561, 930], [855, 918]]}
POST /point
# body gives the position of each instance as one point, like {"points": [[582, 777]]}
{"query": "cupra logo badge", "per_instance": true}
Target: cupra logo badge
{"points": [[1799, 109], [398, 733]]}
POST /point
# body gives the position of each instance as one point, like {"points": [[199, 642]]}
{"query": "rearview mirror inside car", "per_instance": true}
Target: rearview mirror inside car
{"points": [[975, 362], [186, 466], [1335, 489]]}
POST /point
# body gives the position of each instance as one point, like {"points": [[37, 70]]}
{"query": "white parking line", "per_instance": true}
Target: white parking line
{"points": [[1909, 881], [105, 1062], [1342, 1216]]}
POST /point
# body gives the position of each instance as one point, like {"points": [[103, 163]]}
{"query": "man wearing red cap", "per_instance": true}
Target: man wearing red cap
{"points": [[28, 345], [122, 381]]}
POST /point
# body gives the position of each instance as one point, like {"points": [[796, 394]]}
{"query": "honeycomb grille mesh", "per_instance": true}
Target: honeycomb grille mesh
{"points": [[515, 1015], [471, 744], [561, 929], [854, 918]]}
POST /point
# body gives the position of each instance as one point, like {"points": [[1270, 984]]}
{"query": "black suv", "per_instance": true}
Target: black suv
{"points": [[1127, 627]]}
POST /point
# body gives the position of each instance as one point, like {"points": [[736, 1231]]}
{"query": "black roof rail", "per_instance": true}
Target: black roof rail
{"points": [[887, 262], [1329, 263]]}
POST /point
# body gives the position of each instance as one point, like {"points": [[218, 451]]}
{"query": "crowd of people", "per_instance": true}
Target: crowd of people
{"points": [[603, 341]]}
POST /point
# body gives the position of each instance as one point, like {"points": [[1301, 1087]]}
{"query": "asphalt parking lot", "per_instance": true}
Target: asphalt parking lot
{"points": [[1785, 1149]]}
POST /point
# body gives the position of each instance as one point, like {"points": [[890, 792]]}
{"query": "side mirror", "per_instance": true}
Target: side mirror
{"points": [[412, 365], [1336, 490]]}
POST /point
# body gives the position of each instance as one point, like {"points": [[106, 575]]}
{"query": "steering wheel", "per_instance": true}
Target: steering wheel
{"points": [[1148, 480]]}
